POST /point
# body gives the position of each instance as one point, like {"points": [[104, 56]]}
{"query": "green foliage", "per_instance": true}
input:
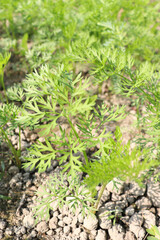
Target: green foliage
{"points": [[154, 231], [114, 40], [68, 192], [114, 159], [52, 97], [8, 115], [3, 62], [121, 24]]}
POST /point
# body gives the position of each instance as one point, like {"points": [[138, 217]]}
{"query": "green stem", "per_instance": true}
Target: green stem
{"points": [[19, 139], [99, 197], [18, 161], [77, 136], [3, 86]]}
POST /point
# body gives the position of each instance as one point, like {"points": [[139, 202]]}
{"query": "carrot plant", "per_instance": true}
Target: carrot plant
{"points": [[115, 40], [53, 97], [8, 114]]}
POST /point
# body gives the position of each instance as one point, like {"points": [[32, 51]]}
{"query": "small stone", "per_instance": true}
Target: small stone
{"points": [[83, 236], [153, 210], [27, 132], [67, 229], [129, 211], [42, 227], [143, 203], [26, 176], [74, 222], [93, 234], [23, 230], [13, 182], [59, 230], [53, 223], [28, 221], [130, 199], [101, 235], [116, 232], [33, 137], [9, 231], [80, 218], [55, 214], [149, 218], [138, 231], [136, 190], [28, 183], [125, 220], [115, 197], [67, 220], [105, 222], [90, 222], [153, 193], [61, 223], [50, 233], [1, 234], [3, 224], [108, 206], [32, 234], [18, 230], [13, 170], [136, 219], [130, 236], [14, 139], [121, 204], [158, 212], [106, 196], [76, 231], [41, 139], [54, 205], [25, 211], [19, 185]]}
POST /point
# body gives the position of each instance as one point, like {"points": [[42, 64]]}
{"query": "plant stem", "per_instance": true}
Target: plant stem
{"points": [[3, 86], [18, 161], [77, 136], [99, 197], [19, 139]]}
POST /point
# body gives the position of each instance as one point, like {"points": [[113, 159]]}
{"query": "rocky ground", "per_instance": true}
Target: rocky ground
{"points": [[133, 209]]}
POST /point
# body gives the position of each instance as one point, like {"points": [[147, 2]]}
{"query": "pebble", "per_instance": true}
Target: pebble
{"points": [[129, 211], [149, 219], [28, 221], [116, 232], [153, 193], [137, 204], [136, 190], [101, 235], [1, 234], [42, 227], [130, 236], [143, 203], [53, 223], [90, 222], [13, 170], [3, 224]]}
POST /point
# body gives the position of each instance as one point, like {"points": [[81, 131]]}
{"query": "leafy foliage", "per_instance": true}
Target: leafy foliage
{"points": [[68, 192], [154, 231], [113, 40]]}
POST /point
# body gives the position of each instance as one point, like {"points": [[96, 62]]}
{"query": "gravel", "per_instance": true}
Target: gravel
{"points": [[134, 208]]}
